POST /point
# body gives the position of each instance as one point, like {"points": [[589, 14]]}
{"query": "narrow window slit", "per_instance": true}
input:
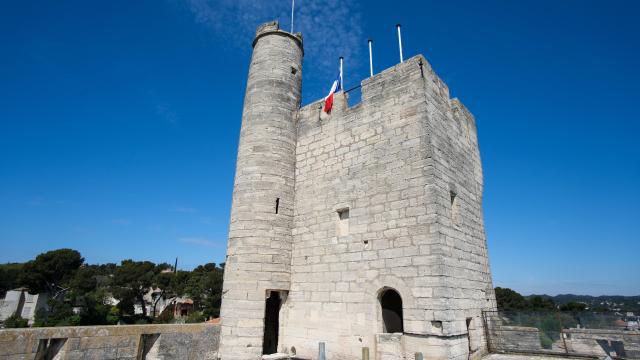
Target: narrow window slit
{"points": [[277, 204], [342, 225], [455, 208]]}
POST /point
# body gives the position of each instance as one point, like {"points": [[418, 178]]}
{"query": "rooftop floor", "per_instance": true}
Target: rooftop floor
{"points": [[525, 357]]}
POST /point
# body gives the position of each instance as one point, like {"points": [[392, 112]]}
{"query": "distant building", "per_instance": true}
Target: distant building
{"points": [[19, 301], [156, 303]]}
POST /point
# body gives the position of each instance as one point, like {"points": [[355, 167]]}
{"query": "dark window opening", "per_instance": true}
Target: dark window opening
{"points": [[469, 334], [342, 227], [391, 304], [277, 204], [271, 323], [454, 208]]}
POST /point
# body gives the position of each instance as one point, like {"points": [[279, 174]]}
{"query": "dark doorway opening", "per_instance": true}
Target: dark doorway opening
{"points": [[271, 323], [391, 304]]}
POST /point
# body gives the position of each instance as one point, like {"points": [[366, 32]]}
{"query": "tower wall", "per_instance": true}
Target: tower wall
{"points": [[394, 161], [384, 195], [259, 245]]}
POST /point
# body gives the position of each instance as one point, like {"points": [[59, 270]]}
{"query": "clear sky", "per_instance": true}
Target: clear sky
{"points": [[119, 123]]}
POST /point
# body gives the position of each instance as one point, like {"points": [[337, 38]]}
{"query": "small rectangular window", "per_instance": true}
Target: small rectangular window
{"points": [[342, 227], [277, 204], [455, 208]]}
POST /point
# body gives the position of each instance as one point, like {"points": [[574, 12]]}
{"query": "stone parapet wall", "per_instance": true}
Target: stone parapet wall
{"points": [[617, 343], [122, 342], [515, 338]]}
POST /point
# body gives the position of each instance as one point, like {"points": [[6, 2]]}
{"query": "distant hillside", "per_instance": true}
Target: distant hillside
{"points": [[599, 303]]}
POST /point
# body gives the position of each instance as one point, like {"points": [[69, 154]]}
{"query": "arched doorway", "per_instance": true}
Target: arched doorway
{"points": [[391, 304]]}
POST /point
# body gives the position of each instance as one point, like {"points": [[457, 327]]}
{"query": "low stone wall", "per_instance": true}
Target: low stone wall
{"points": [[515, 338], [616, 343], [123, 342], [406, 347]]}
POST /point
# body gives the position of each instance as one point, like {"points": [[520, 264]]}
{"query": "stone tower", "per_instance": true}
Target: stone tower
{"points": [[361, 228], [259, 247]]}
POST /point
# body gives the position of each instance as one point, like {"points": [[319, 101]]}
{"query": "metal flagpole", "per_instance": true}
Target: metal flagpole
{"points": [[370, 59], [293, 5], [399, 41], [341, 79]]}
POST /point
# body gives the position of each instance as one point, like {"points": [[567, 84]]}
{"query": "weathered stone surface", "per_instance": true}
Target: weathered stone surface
{"points": [[259, 248], [405, 163], [190, 341]]}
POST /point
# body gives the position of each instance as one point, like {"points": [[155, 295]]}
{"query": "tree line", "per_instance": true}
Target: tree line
{"points": [[70, 284], [510, 300]]}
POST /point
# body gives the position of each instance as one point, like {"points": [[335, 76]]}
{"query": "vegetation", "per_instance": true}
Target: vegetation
{"points": [[510, 300], [83, 294], [15, 321], [9, 276]]}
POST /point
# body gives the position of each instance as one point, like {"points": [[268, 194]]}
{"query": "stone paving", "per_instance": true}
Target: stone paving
{"points": [[526, 357]]}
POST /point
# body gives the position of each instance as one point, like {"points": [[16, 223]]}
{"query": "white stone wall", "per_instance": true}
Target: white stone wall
{"points": [[393, 160], [12, 303], [259, 247]]}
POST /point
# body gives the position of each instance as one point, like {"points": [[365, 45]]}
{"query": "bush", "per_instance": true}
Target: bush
{"points": [[113, 317], [16, 321], [195, 317], [166, 317]]}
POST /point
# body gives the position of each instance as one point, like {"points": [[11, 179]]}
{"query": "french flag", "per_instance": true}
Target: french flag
{"points": [[328, 101]]}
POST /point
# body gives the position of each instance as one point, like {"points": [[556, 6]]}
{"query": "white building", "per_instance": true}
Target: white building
{"points": [[19, 301]]}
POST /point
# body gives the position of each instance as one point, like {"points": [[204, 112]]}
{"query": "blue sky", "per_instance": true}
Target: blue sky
{"points": [[119, 123]]}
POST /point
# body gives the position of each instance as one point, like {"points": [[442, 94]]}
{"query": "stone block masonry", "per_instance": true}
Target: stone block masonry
{"points": [[356, 224], [126, 342], [260, 230]]}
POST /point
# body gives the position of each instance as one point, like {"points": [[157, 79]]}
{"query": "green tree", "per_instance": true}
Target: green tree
{"points": [[133, 279], [539, 303], [205, 288], [60, 313], [9, 276], [50, 271], [573, 306], [84, 280], [509, 300]]}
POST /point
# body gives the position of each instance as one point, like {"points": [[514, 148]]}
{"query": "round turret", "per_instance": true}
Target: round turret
{"points": [[257, 270]]}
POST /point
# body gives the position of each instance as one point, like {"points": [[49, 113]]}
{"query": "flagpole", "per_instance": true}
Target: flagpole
{"points": [[399, 41], [293, 5], [370, 59], [341, 79]]}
